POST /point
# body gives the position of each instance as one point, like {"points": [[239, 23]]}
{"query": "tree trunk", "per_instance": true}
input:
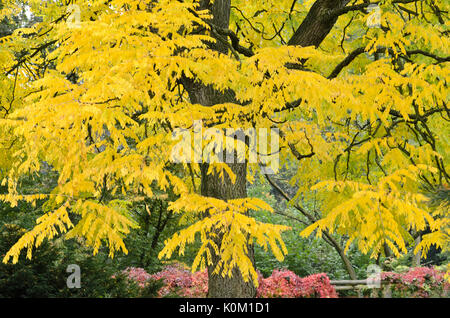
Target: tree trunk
{"points": [[416, 257], [212, 185], [348, 265], [318, 23], [216, 187], [311, 32]]}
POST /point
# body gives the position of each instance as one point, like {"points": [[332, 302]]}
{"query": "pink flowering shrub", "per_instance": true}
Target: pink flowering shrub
{"points": [[286, 284], [179, 281], [139, 275], [175, 277], [136, 283], [280, 284], [420, 282], [317, 285], [199, 286]]}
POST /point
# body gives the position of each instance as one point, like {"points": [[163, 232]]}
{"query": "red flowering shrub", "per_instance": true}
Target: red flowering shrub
{"points": [[317, 285], [137, 283], [199, 286], [284, 283], [418, 282], [139, 275], [179, 281]]}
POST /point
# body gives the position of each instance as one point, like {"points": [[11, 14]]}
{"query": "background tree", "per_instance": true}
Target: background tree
{"points": [[361, 111]]}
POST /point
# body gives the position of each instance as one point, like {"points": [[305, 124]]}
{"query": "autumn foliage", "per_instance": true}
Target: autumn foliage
{"points": [[362, 113]]}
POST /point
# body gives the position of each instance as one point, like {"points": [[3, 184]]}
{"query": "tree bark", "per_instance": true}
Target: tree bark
{"points": [[318, 23], [348, 265], [416, 257], [312, 31], [223, 188], [212, 185]]}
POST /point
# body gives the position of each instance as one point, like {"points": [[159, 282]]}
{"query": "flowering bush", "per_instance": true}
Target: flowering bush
{"points": [[317, 285], [280, 284], [179, 281], [286, 284], [418, 282], [199, 287], [138, 283], [182, 282], [139, 275], [175, 278]]}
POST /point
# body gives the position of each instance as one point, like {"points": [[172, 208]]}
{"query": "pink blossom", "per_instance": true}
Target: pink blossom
{"points": [[286, 284], [417, 282]]}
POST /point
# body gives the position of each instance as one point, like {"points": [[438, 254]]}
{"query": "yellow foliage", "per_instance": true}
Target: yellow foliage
{"points": [[98, 102]]}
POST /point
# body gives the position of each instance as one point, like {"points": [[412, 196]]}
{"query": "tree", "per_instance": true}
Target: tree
{"points": [[360, 108]]}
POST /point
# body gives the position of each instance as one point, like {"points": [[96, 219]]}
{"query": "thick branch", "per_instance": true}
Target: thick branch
{"points": [[234, 40], [354, 54], [358, 7], [317, 24]]}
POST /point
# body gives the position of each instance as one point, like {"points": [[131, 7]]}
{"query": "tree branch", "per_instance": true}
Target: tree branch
{"points": [[234, 40], [358, 7]]}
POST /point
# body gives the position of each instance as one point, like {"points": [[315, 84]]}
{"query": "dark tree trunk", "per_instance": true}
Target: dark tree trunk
{"points": [[213, 185], [318, 23], [224, 189], [311, 32]]}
